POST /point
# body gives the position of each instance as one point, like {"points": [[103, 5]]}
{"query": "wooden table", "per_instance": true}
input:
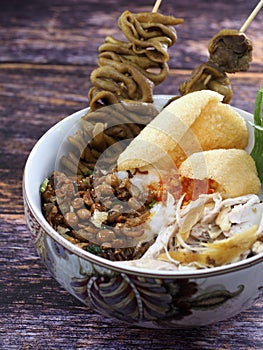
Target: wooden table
{"points": [[47, 52]]}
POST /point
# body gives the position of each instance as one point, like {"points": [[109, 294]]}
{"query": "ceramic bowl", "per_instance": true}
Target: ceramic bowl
{"points": [[137, 296]]}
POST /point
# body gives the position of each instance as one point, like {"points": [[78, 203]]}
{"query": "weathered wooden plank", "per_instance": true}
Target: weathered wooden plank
{"points": [[70, 33], [42, 95]]}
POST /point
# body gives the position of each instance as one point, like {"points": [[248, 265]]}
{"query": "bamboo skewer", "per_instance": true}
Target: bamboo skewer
{"points": [[157, 5], [251, 16], [207, 79]]}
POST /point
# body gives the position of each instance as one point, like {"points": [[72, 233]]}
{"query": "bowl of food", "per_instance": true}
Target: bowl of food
{"points": [[166, 234]]}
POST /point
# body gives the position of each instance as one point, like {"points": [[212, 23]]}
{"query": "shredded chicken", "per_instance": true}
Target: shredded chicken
{"points": [[208, 232]]}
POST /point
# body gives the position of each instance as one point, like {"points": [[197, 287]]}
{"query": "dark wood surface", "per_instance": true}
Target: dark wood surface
{"points": [[47, 52]]}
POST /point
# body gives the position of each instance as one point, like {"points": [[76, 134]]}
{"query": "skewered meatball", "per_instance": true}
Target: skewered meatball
{"points": [[230, 50]]}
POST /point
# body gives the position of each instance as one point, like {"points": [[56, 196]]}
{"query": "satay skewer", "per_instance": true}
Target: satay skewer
{"points": [[251, 17], [243, 28]]}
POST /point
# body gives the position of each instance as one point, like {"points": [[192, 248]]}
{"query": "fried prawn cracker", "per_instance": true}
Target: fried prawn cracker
{"points": [[193, 123], [233, 170]]}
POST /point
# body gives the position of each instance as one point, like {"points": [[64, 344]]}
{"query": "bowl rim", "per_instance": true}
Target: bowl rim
{"points": [[105, 263]]}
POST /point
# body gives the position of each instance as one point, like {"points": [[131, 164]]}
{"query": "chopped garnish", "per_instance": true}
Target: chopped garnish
{"points": [[94, 249], [257, 151], [43, 186], [151, 205]]}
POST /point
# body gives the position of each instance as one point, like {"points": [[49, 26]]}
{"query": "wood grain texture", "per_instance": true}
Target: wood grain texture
{"points": [[71, 31], [47, 52]]}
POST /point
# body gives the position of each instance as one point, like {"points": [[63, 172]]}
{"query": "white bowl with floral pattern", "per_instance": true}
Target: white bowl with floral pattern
{"points": [[137, 296]]}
